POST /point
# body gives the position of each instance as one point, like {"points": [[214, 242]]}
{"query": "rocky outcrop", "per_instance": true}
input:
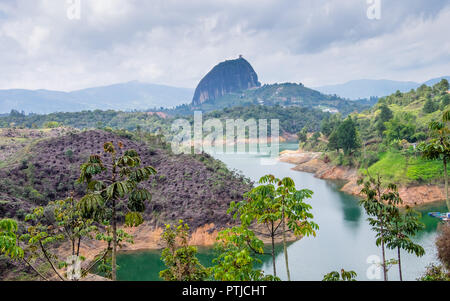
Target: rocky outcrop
{"points": [[229, 76], [312, 163]]}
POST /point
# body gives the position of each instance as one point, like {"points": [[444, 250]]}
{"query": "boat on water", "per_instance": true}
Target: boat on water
{"points": [[442, 216]]}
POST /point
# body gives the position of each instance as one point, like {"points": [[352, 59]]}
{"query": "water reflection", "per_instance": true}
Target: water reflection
{"points": [[351, 210], [344, 240]]}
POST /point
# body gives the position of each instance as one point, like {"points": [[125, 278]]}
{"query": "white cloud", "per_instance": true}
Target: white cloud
{"points": [[176, 42]]}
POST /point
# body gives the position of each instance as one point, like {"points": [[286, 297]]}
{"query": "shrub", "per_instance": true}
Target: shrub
{"points": [[443, 245]]}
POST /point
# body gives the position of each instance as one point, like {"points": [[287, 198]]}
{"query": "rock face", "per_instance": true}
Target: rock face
{"points": [[229, 76]]}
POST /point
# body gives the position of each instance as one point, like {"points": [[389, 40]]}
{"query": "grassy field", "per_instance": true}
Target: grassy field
{"points": [[399, 168]]}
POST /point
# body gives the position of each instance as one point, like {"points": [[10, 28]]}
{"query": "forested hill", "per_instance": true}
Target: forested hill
{"points": [[292, 119], [410, 115], [387, 138], [286, 95]]}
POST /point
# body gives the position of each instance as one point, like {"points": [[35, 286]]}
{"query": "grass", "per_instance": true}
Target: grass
{"points": [[395, 166], [422, 170], [391, 167], [21, 154]]}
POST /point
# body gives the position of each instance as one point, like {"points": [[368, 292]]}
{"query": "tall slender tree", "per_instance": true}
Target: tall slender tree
{"points": [[110, 186], [260, 205], [400, 230], [378, 204], [278, 203]]}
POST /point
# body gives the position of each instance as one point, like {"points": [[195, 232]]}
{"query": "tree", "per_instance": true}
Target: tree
{"points": [[260, 204], [379, 204], [8, 239], [122, 185], [180, 258], [330, 123], [315, 137], [438, 147], [384, 116], [442, 86], [348, 136], [333, 141], [385, 113], [9, 244], [59, 221], [445, 101], [295, 214], [430, 106], [273, 202], [400, 127], [400, 229], [344, 136], [302, 135], [343, 276], [237, 249]]}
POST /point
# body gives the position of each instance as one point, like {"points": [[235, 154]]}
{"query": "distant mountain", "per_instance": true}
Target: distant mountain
{"points": [[125, 96], [227, 77], [434, 81], [365, 88]]}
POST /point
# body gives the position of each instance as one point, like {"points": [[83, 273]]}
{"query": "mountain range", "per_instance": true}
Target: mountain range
{"points": [[124, 96], [217, 90], [366, 88]]}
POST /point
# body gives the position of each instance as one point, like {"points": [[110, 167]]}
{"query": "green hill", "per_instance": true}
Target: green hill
{"points": [[285, 95], [388, 136]]}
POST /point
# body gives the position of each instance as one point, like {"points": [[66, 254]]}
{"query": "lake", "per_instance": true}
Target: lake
{"points": [[344, 240]]}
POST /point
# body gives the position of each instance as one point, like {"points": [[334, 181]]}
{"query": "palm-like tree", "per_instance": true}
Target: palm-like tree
{"points": [[124, 175]]}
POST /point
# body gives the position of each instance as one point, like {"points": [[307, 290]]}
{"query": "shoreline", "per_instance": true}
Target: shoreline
{"points": [[310, 162], [148, 238]]}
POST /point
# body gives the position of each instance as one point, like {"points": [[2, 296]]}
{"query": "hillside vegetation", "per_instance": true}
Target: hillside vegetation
{"points": [[287, 95], [385, 139], [195, 188], [292, 119]]}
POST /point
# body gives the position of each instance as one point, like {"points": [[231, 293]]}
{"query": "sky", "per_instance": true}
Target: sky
{"points": [[44, 45]]}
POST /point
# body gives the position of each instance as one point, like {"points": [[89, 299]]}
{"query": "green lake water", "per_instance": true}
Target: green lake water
{"points": [[344, 240]]}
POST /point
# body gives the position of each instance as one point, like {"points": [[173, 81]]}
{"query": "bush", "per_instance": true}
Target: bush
{"points": [[435, 273], [443, 245], [370, 158], [52, 125]]}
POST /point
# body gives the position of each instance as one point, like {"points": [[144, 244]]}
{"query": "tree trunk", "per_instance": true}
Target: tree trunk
{"points": [[446, 183], [78, 247], [273, 252], [114, 250], [384, 254], [382, 229], [284, 245], [399, 264]]}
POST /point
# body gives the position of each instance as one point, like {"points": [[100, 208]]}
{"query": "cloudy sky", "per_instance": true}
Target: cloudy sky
{"points": [[175, 42]]}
